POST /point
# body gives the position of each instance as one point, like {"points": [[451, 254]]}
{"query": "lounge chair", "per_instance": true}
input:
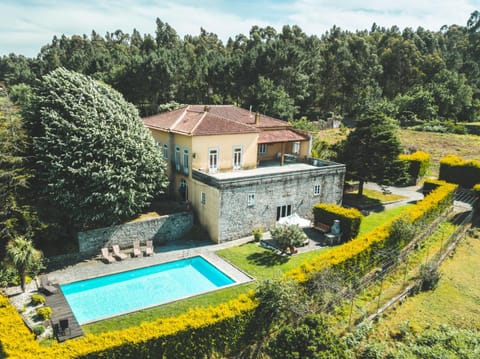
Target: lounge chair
{"points": [[47, 286], [149, 249], [136, 249], [107, 256], [117, 253]]}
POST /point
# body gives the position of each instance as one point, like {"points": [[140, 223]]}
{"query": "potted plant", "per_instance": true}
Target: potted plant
{"points": [[257, 234], [289, 237]]}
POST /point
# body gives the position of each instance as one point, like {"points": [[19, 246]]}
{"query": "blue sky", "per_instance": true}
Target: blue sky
{"points": [[27, 25]]}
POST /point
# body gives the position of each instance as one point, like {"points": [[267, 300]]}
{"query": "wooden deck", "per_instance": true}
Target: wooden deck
{"points": [[61, 311]]}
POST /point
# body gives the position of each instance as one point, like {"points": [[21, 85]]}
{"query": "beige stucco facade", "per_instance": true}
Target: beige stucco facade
{"points": [[217, 156]]}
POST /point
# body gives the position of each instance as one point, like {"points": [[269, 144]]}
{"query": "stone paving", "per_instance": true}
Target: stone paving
{"points": [[166, 253]]}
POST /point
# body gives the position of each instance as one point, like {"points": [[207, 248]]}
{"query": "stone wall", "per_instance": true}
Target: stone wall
{"points": [[162, 229], [296, 190]]}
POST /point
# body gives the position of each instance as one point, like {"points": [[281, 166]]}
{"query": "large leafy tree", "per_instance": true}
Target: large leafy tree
{"points": [[371, 150], [17, 218], [95, 161]]}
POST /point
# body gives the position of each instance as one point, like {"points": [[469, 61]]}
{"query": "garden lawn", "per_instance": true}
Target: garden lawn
{"points": [[263, 263], [376, 219]]}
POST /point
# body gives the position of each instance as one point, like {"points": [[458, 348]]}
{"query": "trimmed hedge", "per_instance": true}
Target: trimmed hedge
{"points": [[454, 169], [356, 255], [476, 191], [196, 334], [350, 218], [419, 162], [430, 184], [201, 332]]}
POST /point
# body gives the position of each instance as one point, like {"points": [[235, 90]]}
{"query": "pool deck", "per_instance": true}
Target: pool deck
{"points": [[166, 253]]}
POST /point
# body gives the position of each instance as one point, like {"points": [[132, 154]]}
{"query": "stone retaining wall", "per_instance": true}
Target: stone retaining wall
{"points": [[162, 229]]}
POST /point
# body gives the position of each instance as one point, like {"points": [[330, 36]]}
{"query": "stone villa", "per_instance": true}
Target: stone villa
{"points": [[241, 170]]}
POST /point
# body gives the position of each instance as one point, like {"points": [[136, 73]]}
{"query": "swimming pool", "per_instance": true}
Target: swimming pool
{"points": [[116, 294]]}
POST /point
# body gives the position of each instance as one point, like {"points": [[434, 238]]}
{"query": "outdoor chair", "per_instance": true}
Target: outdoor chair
{"points": [[107, 256], [64, 327], [46, 286], [149, 249], [136, 249], [117, 253]]}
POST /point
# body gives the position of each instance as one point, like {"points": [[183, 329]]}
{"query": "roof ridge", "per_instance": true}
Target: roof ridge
{"points": [[192, 131], [180, 118]]}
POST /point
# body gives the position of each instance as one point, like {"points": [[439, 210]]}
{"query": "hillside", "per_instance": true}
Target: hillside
{"points": [[438, 145]]}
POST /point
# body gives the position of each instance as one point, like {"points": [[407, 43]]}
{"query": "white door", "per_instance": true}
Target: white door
{"points": [[213, 160]]}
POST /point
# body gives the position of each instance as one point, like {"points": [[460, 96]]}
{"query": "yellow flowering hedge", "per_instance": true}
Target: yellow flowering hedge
{"points": [[15, 338], [202, 331], [476, 190], [350, 218], [356, 254], [419, 162], [197, 333], [454, 169]]}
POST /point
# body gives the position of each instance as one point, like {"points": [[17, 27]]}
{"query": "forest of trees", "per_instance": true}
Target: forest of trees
{"points": [[415, 76]]}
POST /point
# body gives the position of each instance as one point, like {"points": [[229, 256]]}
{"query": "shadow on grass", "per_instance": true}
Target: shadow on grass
{"points": [[267, 259], [363, 202]]}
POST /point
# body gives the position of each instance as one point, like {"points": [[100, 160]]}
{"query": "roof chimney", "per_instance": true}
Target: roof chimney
{"points": [[206, 108], [257, 118]]}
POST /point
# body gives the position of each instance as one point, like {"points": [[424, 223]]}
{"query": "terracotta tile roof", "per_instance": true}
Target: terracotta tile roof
{"points": [[212, 120], [280, 136]]}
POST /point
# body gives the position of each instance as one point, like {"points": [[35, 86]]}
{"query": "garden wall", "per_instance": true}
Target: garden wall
{"points": [[161, 229]]}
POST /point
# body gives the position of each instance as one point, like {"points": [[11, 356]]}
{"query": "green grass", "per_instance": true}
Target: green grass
{"points": [[258, 262], [376, 219], [263, 263], [370, 198], [454, 302], [168, 310]]}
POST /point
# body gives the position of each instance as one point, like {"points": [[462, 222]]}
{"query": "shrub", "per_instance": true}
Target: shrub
{"points": [[311, 338], [257, 234], [429, 277], [419, 162], [350, 218], [454, 169], [38, 330], [37, 299], [476, 191], [288, 236], [44, 312]]}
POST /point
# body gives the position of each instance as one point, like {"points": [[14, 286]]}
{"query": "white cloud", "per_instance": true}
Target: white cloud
{"points": [[319, 16], [27, 25]]}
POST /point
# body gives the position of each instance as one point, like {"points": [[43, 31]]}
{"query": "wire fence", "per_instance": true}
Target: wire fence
{"points": [[391, 260]]}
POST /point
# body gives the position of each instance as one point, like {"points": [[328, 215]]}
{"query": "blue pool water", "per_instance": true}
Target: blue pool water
{"points": [[120, 293]]}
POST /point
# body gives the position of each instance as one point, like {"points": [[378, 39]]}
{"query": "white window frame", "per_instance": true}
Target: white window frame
{"points": [[262, 148], [317, 189], [250, 199], [185, 161], [158, 144], [203, 198], [213, 157], [237, 157], [296, 147], [165, 151], [177, 158]]}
